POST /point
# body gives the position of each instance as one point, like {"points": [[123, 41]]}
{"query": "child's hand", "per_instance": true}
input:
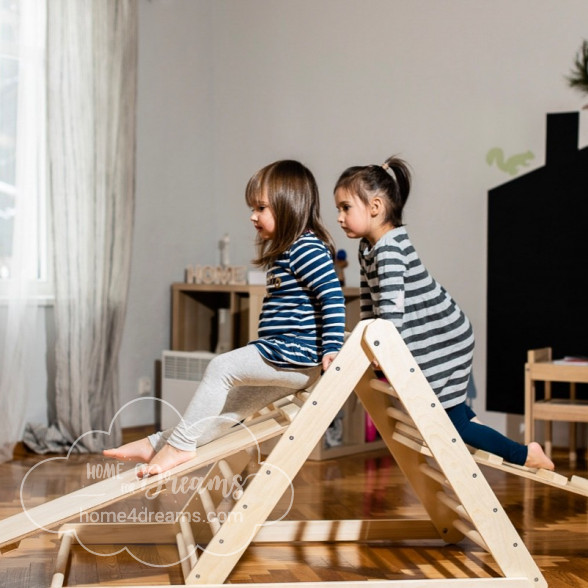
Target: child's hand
{"points": [[328, 360]]}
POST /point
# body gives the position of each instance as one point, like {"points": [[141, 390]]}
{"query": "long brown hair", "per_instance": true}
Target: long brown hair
{"points": [[293, 196]]}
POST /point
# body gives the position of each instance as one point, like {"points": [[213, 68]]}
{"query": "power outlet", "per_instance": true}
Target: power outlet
{"points": [[144, 386]]}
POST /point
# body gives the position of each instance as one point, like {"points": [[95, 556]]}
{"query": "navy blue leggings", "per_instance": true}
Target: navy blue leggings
{"points": [[485, 438]]}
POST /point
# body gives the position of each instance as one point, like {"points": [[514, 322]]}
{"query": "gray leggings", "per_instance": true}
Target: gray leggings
{"points": [[235, 385]]}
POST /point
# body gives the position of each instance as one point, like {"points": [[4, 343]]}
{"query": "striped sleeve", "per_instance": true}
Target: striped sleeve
{"points": [[389, 275], [366, 306], [313, 267]]}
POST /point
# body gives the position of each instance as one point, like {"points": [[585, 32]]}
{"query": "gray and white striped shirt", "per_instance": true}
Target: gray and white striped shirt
{"points": [[396, 286]]}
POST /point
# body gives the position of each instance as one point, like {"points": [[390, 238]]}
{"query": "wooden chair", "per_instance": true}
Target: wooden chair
{"points": [[540, 367]]}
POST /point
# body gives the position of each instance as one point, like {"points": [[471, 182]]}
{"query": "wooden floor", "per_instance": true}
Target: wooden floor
{"points": [[552, 523]]}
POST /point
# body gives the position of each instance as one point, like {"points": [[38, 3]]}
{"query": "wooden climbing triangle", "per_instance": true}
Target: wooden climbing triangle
{"points": [[416, 429]]}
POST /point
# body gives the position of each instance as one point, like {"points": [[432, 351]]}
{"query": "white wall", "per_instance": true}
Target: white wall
{"points": [[227, 86]]}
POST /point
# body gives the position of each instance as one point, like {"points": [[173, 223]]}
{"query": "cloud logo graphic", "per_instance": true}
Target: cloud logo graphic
{"points": [[111, 493]]}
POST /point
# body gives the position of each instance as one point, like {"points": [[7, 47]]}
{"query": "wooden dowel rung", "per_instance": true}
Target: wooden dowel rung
{"points": [[189, 541], [411, 443], [410, 431], [62, 559], [455, 506], [210, 513], [434, 474], [229, 475], [225, 469], [289, 411], [262, 418], [384, 387], [399, 415], [470, 533], [300, 397], [183, 553]]}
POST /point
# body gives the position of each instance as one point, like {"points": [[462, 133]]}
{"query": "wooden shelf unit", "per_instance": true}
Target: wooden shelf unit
{"points": [[540, 367], [195, 308], [195, 313], [194, 327]]}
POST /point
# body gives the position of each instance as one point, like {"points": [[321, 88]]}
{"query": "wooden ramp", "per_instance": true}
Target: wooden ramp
{"points": [[125, 485], [575, 484], [406, 432], [238, 493]]}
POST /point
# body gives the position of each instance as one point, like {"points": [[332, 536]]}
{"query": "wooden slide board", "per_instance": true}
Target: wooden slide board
{"points": [[110, 490]]}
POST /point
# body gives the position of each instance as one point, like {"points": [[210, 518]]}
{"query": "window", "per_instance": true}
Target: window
{"points": [[23, 211]]}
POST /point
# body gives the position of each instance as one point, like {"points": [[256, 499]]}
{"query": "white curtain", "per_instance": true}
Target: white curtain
{"points": [[30, 183], [92, 63]]}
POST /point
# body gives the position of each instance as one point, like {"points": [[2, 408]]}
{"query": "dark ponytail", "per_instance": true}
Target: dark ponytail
{"points": [[391, 181]]}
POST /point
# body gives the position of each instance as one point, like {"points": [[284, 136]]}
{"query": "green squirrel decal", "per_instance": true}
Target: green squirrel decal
{"points": [[511, 165]]}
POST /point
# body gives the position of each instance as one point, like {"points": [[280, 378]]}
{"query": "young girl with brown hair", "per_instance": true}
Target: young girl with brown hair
{"points": [[301, 326]]}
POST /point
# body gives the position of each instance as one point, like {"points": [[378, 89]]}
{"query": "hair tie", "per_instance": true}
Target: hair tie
{"points": [[389, 170]]}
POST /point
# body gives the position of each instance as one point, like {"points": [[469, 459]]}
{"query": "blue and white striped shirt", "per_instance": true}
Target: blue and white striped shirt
{"points": [[396, 286], [303, 313]]}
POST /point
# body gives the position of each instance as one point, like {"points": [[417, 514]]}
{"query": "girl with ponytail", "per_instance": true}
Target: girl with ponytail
{"points": [[396, 286]]}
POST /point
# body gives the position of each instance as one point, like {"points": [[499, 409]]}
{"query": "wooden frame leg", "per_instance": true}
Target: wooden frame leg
{"points": [[529, 400]]}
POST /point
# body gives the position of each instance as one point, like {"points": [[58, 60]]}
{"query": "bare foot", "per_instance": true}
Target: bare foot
{"points": [[165, 459], [536, 457], [140, 450]]}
